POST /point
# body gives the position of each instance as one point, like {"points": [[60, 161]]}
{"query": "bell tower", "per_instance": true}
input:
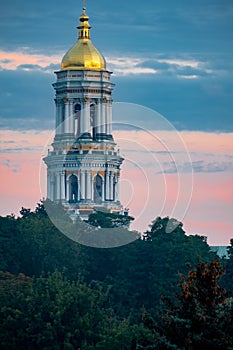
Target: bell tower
{"points": [[83, 168]]}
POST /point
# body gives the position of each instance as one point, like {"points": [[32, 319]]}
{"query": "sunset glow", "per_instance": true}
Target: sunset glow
{"points": [[146, 186]]}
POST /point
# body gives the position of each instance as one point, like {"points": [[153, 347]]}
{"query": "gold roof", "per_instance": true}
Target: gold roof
{"points": [[83, 55]]}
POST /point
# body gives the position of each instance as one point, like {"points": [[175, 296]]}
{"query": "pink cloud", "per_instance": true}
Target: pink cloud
{"points": [[220, 143], [11, 60], [20, 188], [194, 141], [145, 188], [20, 169]]}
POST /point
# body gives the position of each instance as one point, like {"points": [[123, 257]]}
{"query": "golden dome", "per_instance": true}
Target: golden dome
{"points": [[83, 55]]}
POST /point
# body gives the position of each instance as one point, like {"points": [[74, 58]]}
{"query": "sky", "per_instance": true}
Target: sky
{"points": [[173, 57]]}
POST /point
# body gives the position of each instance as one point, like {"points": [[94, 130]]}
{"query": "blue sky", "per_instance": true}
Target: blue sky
{"points": [[172, 56]]}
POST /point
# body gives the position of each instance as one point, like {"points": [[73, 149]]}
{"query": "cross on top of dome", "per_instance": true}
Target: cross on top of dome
{"points": [[84, 6], [83, 55]]}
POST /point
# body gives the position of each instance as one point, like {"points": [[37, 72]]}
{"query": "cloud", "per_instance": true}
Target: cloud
{"points": [[26, 100], [187, 76], [27, 123], [200, 166], [211, 155], [182, 68], [20, 149], [180, 62], [134, 71], [10, 165], [24, 142], [186, 90], [28, 67], [165, 152], [23, 59]]}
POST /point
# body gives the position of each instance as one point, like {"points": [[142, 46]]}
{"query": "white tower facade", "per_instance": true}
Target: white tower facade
{"points": [[83, 168]]}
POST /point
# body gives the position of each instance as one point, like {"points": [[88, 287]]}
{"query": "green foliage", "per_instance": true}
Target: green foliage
{"points": [[25, 212], [54, 313], [145, 270], [13, 303], [139, 273], [60, 309], [201, 316], [11, 246], [33, 245], [109, 220], [227, 280], [161, 226], [39, 211]]}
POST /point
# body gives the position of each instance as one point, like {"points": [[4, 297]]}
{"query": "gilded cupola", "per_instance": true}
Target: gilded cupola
{"points": [[83, 55]]}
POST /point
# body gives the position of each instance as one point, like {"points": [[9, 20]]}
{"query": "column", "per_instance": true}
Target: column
{"points": [[57, 115], [71, 118], [48, 185], [62, 175], [82, 180], [58, 118], [117, 189], [103, 118], [66, 122], [52, 189], [67, 190], [92, 188], [98, 118], [107, 186], [85, 124], [88, 185], [110, 118], [103, 184], [82, 121], [58, 187], [87, 118], [111, 186], [79, 187]]}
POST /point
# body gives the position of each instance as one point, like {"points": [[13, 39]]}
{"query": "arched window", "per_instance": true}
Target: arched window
{"points": [[77, 116], [93, 119], [73, 189], [98, 189]]}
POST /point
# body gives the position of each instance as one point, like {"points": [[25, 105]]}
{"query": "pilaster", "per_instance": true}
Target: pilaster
{"points": [[82, 185]]}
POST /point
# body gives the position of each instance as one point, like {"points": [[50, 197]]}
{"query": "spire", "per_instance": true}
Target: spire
{"points": [[84, 27], [83, 55], [84, 6]]}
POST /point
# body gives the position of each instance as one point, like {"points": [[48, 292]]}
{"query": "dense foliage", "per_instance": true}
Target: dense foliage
{"points": [[109, 220], [200, 317], [58, 294]]}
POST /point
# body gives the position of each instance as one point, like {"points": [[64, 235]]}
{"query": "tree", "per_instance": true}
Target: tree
{"points": [[227, 279], [12, 249], [40, 209], [14, 291], [109, 220], [200, 317], [25, 212], [54, 313], [163, 226], [140, 272]]}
